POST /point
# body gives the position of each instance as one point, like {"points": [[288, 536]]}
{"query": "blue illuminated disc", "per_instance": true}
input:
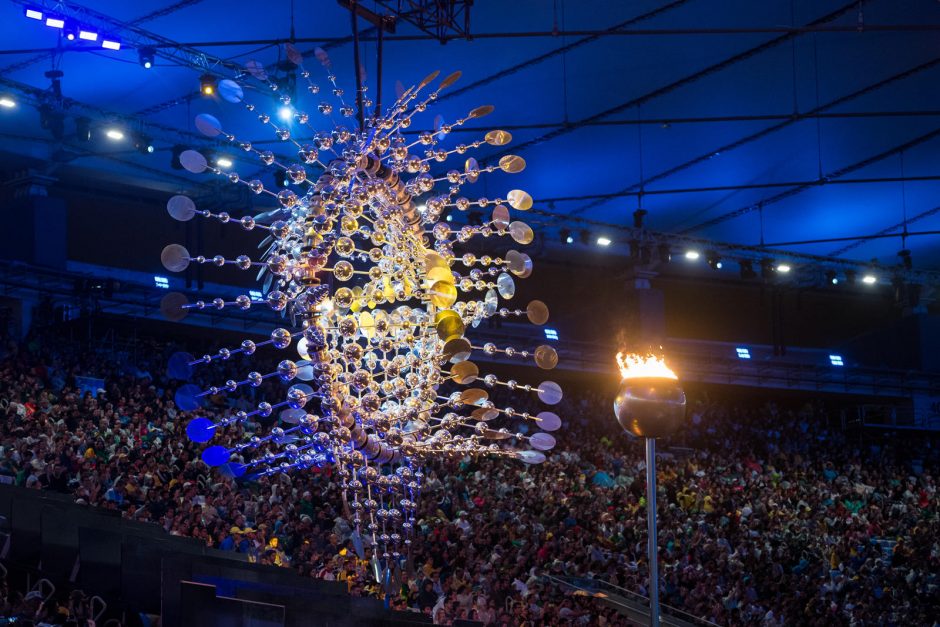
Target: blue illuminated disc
{"points": [[233, 469], [200, 430], [178, 366], [215, 455], [187, 397]]}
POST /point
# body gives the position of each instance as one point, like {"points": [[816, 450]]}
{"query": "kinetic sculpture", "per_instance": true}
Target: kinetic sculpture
{"points": [[376, 292]]}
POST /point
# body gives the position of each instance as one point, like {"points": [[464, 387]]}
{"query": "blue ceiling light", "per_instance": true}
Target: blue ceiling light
{"points": [[162, 282], [55, 22], [86, 34], [32, 13], [836, 360], [110, 43], [551, 334], [255, 295], [743, 353]]}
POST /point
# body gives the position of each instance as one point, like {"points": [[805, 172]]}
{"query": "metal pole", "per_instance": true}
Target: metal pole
{"points": [[651, 548], [360, 114]]}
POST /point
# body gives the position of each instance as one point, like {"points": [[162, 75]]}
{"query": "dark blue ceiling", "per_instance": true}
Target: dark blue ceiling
{"points": [[577, 151]]}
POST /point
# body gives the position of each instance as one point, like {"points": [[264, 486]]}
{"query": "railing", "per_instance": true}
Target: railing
{"points": [[636, 603]]}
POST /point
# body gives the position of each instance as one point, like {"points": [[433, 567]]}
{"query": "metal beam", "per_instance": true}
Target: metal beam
{"points": [[674, 85]]}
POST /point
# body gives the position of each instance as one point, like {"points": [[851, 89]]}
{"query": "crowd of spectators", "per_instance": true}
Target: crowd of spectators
{"points": [[769, 514]]}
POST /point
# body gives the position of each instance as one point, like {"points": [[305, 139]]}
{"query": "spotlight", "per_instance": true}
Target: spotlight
{"points": [[83, 129], [663, 253], [783, 268], [111, 43], [747, 269], [638, 216], [603, 241], [33, 13], [87, 35], [285, 113], [565, 236], [869, 279], [224, 162], [207, 84], [146, 56], [144, 144], [55, 22], [70, 32], [692, 255], [906, 260], [449, 218], [114, 134], [713, 260], [831, 277], [6, 102]]}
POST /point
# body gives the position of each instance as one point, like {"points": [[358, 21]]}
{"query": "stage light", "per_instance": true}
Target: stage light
{"points": [[224, 162], [115, 134], [33, 14], [110, 43], [713, 260], [551, 334], [146, 56], [449, 218], [869, 279], [692, 255], [255, 295], [70, 32], [161, 282], [603, 241], [207, 84], [831, 277], [285, 113], [783, 268], [55, 22], [144, 144], [87, 35], [747, 269], [743, 353], [6, 102], [836, 360]]}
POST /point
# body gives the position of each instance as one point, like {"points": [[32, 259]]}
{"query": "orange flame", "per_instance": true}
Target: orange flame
{"points": [[647, 366]]}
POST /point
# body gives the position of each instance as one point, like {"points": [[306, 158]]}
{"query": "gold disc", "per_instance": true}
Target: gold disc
{"points": [[484, 414], [457, 350], [498, 138], [443, 294], [519, 199], [473, 396], [449, 327], [465, 372], [537, 312], [512, 164], [500, 217], [546, 357], [481, 111], [521, 232], [449, 80]]}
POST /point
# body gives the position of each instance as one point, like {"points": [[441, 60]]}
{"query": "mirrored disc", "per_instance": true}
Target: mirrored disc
{"points": [[215, 455], [484, 414], [550, 392], [457, 350], [181, 208], [449, 80], [542, 441], [230, 91], [208, 125], [490, 302], [200, 430], [443, 294], [256, 69], [306, 373], [292, 416], [494, 434], [481, 111], [440, 274], [465, 372], [193, 161], [537, 312], [546, 357], [473, 396], [293, 54], [501, 217], [505, 285], [520, 264], [171, 306], [498, 138], [519, 199], [434, 260], [521, 232], [187, 397], [512, 164], [449, 326], [531, 457], [472, 170], [427, 79], [548, 421], [174, 257], [177, 366]]}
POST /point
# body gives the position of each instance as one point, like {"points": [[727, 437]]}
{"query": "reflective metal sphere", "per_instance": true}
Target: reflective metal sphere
{"points": [[650, 407]]}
